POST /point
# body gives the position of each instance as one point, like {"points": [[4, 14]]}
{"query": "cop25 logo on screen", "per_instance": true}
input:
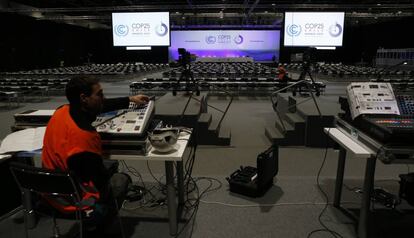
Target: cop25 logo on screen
{"points": [[335, 30], [238, 39], [161, 29], [211, 39], [121, 30], [293, 30]]}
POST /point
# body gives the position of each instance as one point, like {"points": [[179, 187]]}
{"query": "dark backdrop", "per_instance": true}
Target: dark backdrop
{"points": [[361, 42], [26, 43]]}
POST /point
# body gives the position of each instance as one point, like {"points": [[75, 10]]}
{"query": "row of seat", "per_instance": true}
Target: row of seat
{"points": [[103, 69], [230, 74], [15, 88], [214, 79], [24, 93], [235, 87], [226, 70], [12, 98], [230, 66], [345, 71], [393, 80], [350, 70], [40, 86], [35, 82], [18, 89]]}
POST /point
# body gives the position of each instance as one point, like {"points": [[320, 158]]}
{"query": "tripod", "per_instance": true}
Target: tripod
{"points": [[302, 76], [187, 77]]}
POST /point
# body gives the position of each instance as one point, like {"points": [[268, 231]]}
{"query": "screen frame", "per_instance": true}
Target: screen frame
{"points": [[312, 45], [149, 45]]}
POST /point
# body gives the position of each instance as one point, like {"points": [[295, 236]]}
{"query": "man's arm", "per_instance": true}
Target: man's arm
{"points": [[112, 104]]}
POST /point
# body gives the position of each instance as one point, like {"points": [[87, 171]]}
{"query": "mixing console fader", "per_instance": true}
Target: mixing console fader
{"points": [[406, 104], [128, 122]]}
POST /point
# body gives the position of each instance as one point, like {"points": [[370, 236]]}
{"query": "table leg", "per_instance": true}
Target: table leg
{"points": [[180, 182], [366, 198], [172, 205], [339, 177]]}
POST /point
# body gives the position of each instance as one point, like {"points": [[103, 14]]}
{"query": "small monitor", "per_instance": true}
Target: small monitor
{"points": [[141, 28], [313, 29]]}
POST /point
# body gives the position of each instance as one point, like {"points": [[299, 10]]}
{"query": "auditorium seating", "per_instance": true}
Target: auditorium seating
{"points": [[236, 86], [12, 98], [33, 86], [239, 78], [338, 71], [229, 70], [96, 69]]}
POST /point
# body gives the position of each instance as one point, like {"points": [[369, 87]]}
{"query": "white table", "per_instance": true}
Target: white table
{"points": [[359, 151], [169, 158]]}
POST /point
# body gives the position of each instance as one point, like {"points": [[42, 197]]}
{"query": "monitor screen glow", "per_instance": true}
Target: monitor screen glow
{"points": [[313, 28], [141, 29]]}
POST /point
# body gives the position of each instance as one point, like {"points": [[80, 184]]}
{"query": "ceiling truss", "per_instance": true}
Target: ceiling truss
{"points": [[190, 14]]}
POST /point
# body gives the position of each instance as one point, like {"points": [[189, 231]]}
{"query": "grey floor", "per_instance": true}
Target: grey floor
{"points": [[291, 207]]}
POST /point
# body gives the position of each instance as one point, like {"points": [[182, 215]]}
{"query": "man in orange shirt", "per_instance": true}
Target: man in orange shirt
{"points": [[71, 143], [282, 77]]}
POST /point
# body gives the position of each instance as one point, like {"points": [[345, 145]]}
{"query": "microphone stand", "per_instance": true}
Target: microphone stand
{"points": [[224, 112], [310, 86]]}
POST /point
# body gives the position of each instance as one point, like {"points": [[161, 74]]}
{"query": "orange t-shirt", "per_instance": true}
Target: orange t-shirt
{"points": [[63, 139], [282, 73]]}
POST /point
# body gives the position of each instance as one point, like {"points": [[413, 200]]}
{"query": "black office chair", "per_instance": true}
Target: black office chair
{"points": [[39, 181]]}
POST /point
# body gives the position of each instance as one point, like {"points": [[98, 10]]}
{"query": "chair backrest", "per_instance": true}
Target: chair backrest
{"points": [[44, 181]]}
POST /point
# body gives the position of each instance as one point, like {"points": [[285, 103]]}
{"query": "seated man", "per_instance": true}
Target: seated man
{"points": [[71, 143], [283, 74], [283, 77]]}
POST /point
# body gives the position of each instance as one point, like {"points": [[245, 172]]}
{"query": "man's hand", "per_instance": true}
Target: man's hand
{"points": [[139, 99]]}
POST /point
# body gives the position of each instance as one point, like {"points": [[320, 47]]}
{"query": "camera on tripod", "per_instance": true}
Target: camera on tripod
{"points": [[184, 60], [308, 58], [185, 57]]}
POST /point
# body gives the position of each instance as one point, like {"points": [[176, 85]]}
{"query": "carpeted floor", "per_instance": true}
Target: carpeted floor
{"points": [[291, 207]]}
